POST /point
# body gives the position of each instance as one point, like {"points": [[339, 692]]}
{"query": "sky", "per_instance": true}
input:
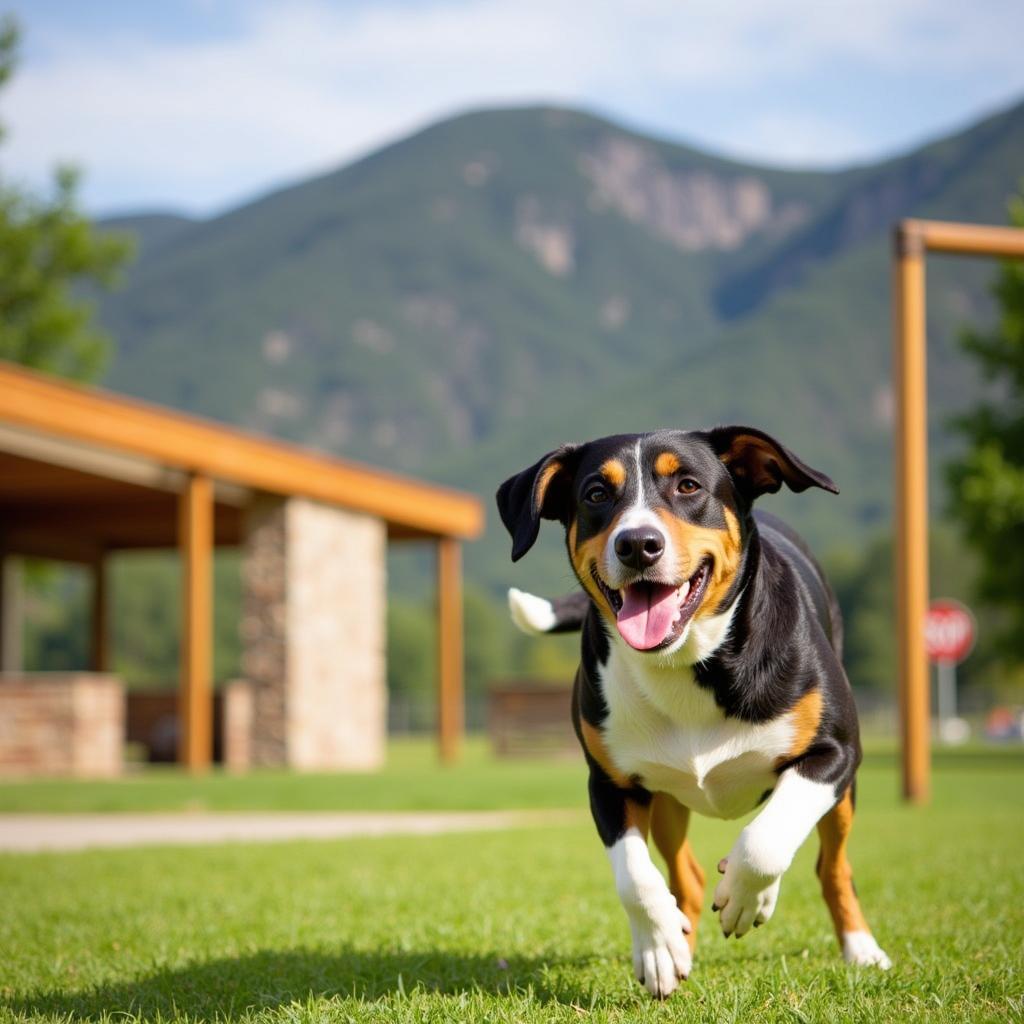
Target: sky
{"points": [[199, 105]]}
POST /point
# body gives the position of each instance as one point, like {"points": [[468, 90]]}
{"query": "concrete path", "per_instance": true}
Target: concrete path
{"points": [[27, 832]]}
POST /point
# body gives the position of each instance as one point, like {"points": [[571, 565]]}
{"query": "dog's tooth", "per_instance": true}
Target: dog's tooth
{"points": [[684, 590]]}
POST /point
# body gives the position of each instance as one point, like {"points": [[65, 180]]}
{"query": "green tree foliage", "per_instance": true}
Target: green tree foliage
{"points": [[412, 654], [987, 483], [863, 582], [56, 633], [48, 251], [145, 615]]}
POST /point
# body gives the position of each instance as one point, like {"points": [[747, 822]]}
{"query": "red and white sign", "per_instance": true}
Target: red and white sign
{"points": [[948, 631]]}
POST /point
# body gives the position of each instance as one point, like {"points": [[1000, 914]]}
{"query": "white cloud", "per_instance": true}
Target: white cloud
{"points": [[303, 87]]}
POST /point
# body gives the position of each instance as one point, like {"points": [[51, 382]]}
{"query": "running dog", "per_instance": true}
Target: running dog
{"points": [[710, 679]]}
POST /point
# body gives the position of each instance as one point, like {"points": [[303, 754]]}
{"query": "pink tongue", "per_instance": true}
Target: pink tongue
{"points": [[646, 614]]}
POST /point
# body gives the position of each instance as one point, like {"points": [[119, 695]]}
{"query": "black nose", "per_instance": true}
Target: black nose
{"points": [[639, 548]]}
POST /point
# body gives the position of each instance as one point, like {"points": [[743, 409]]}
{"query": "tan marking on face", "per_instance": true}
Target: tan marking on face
{"points": [[547, 474], [593, 738], [614, 472], [666, 464], [589, 553], [693, 544], [834, 869], [806, 717]]}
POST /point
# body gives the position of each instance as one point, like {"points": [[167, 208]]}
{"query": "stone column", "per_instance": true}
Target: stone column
{"points": [[313, 634]]}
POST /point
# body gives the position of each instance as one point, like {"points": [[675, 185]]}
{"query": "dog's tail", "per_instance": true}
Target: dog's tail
{"points": [[537, 615]]}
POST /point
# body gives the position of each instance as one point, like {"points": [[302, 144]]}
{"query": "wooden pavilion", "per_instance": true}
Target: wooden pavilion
{"points": [[84, 473]]}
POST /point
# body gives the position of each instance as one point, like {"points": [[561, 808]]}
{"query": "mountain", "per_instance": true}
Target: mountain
{"points": [[150, 230], [458, 303]]}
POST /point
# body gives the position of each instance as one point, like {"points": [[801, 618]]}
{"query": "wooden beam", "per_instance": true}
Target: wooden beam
{"points": [[99, 620], [451, 700], [41, 543], [110, 525], [37, 402], [195, 696], [967, 239], [911, 511]]}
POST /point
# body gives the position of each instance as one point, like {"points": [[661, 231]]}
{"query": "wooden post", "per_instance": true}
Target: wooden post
{"points": [[99, 646], [450, 707], [911, 527], [11, 613], [195, 697]]}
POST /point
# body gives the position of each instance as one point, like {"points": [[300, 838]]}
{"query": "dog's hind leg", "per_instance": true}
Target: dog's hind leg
{"points": [[669, 823], [836, 876]]}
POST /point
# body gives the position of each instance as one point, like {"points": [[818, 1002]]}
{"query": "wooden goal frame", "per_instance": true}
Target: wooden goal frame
{"points": [[914, 239]]}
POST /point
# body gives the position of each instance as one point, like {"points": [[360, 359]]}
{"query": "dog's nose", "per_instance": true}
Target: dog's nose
{"points": [[639, 548]]}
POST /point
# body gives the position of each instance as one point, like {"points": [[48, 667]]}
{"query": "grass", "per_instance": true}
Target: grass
{"points": [[518, 926], [412, 780]]}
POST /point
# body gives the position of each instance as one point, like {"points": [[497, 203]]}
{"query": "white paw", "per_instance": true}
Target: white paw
{"points": [[744, 898], [661, 954], [861, 949], [530, 613]]}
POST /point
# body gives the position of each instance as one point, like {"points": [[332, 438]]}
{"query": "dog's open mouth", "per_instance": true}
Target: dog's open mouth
{"points": [[650, 614]]}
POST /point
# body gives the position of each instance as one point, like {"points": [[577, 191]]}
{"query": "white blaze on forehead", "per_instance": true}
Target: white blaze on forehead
{"points": [[636, 516]]}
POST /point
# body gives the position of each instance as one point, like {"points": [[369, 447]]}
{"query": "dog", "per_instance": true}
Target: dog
{"points": [[710, 677]]}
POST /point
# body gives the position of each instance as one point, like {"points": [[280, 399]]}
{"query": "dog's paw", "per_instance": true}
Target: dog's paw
{"points": [[661, 954], [744, 898], [861, 949]]}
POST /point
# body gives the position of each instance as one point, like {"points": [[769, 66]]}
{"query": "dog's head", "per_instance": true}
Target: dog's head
{"points": [[656, 524]]}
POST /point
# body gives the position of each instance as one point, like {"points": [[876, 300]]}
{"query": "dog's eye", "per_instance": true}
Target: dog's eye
{"points": [[596, 495], [688, 486]]}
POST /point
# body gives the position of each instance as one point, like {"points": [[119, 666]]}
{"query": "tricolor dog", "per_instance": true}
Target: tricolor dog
{"points": [[710, 677]]}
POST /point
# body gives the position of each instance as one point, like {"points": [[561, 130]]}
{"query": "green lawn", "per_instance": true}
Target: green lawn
{"points": [[412, 780], [517, 926]]}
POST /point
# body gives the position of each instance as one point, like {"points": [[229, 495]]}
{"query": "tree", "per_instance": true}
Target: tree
{"points": [[987, 483], [48, 252]]}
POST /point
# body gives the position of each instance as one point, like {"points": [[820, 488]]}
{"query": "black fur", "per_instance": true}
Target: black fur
{"points": [[786, 634]]}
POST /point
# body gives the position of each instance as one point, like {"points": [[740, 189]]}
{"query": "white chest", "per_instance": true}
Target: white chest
{"points": [[667, 730]]}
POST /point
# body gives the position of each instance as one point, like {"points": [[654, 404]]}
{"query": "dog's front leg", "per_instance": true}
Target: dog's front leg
{"points": [[661, 954], [749, 888]]}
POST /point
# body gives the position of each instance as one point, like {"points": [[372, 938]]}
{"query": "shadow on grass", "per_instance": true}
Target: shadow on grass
{"points": [[270, 979]]}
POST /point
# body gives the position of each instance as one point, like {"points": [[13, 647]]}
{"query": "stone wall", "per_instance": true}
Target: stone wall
{"points": [[313, 634], [56, 723], [264, 627]]}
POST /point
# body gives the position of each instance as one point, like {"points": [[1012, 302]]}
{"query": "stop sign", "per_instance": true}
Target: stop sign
{"points": [[948, 631]]}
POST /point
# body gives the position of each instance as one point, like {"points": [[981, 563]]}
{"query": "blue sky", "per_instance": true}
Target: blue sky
{"points": [[198, 105]]}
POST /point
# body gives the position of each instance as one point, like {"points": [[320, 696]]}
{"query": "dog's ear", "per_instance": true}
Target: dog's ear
{"points": [[760, 465], [544, 491]]}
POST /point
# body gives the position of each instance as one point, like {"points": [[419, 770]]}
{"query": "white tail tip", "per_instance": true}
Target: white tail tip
{"points": [[532, 614]]}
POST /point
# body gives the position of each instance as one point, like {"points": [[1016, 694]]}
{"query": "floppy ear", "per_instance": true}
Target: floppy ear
{"points": [[760, 465], [542, 491]]}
